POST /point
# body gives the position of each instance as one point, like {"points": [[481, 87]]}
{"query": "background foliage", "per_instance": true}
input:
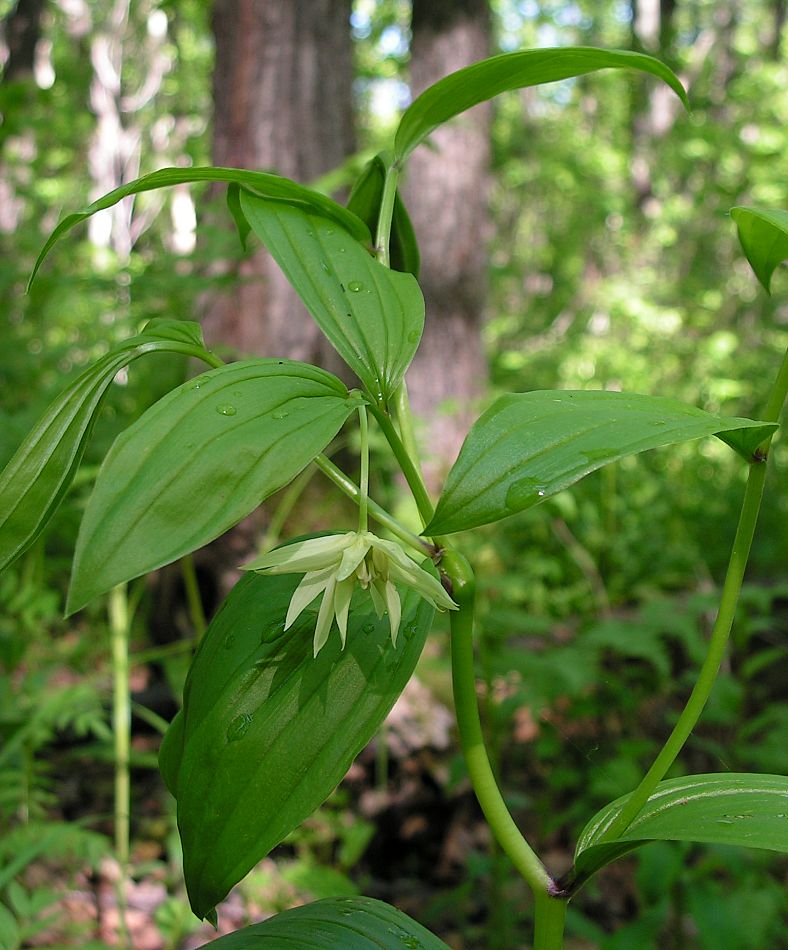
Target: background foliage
{"points": [[613, 265]]}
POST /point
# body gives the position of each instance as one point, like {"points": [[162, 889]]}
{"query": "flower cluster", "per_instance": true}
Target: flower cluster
{"points": [[333, 565]]}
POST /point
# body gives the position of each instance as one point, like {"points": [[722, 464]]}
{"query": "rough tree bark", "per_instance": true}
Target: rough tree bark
{"points": [[282, 102], [446, 192]]}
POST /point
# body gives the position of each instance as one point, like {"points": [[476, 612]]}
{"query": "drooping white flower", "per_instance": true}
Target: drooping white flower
{"points": [[334, 564]]}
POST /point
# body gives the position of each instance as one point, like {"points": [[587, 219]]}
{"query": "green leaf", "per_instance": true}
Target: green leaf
{"points": [[262, 183], [364, 202], [37, 477], [338, 923], [528, 446], [763, 233], [373, 316], [268, 731], [485, 80], [743, 809], [197, 462]]}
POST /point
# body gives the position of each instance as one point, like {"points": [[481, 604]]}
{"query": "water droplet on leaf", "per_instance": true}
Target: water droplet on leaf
{"points": [[273, 631], [238, 727], [368, 627], [325, 267], [524, 493], [355, 286], [229, 640], [414, 336], [280, 414], [226, 409]]}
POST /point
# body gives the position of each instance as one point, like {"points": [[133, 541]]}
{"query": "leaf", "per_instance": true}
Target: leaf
{"points": [[364, 202], [373, 316], [528, 446], [763, 234], [262, 183], [341, 923], [268, 731], [37, 477], [485, 80], [743, 809], [197, 462]]}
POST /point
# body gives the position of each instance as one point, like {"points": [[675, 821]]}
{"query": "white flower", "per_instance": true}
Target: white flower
{"points": [[333, 565]]}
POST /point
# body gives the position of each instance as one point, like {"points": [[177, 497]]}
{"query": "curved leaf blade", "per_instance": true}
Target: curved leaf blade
{"points": [[262, 183], [364, 202], [372, 316], [484, 80], [343, 923], [268, 731], [742, 809], [529, 446], [197, 462], [763, 234], [37, 477]]}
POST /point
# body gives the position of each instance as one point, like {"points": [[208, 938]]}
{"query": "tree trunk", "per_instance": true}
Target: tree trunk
{"points": [[446, 192], [21, 29], [282, 102]]}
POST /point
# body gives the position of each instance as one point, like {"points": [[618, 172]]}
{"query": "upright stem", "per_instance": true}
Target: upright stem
{"points": [[363, 501], [480, 771], [549, 923], [731, 587], [121, 724], [193, 599], [386, 214]]}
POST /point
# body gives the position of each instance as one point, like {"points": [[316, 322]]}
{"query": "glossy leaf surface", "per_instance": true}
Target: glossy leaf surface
{"points": [[490, 77], [528, 446], [743, 809], [40, 473], [338, 923], [197, 462], [262, 183], [373, 316], [364, 202], [763, 233], [267, 731]]}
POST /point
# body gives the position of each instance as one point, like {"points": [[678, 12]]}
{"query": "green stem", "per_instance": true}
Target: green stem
{"points": [[193, 599], [404, 417], [480, 771], [363, 500], [386, 214], [731, 588], [407, 465], [549, 923], [121, 724], [349, 488]]}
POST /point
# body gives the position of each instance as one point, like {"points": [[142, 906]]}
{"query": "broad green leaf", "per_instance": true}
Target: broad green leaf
{"points": [[528, 446], [197, 462], [763, 233], [261, 183], [373, 316], [364, 202], [268, 732], [485, 80], [743, 809], [338, 923], [37, 477]]}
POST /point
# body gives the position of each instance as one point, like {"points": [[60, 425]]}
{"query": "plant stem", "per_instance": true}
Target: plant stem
{"points": [[731, 588], [193, 599], [550, 917], [466, 706], [386, 214], [121, 725], [346, 485], [363, 500]]}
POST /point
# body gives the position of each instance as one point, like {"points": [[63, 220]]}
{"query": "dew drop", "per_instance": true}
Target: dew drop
{"points": [[229, 640], [329, 230], [280, 414], [341, 250], [355, 286], [411, 631], [325, 267], [368, 627], [414, 336], [238, 727], [345, 912], [412, 943], [226, 409], [273, 631], [524, 493]]}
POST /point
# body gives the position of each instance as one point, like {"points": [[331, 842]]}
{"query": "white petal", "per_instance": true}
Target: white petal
{"points": [[395, 610], [429, 587], [311, 585], [377, 590], [352, 556], [342, 596], [311, 555], [325, 617]]}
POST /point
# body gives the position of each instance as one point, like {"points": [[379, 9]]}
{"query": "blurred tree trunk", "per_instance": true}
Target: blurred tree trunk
{"points": [[282, 91], [21, 30], [282, 102], [446, 191]]}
